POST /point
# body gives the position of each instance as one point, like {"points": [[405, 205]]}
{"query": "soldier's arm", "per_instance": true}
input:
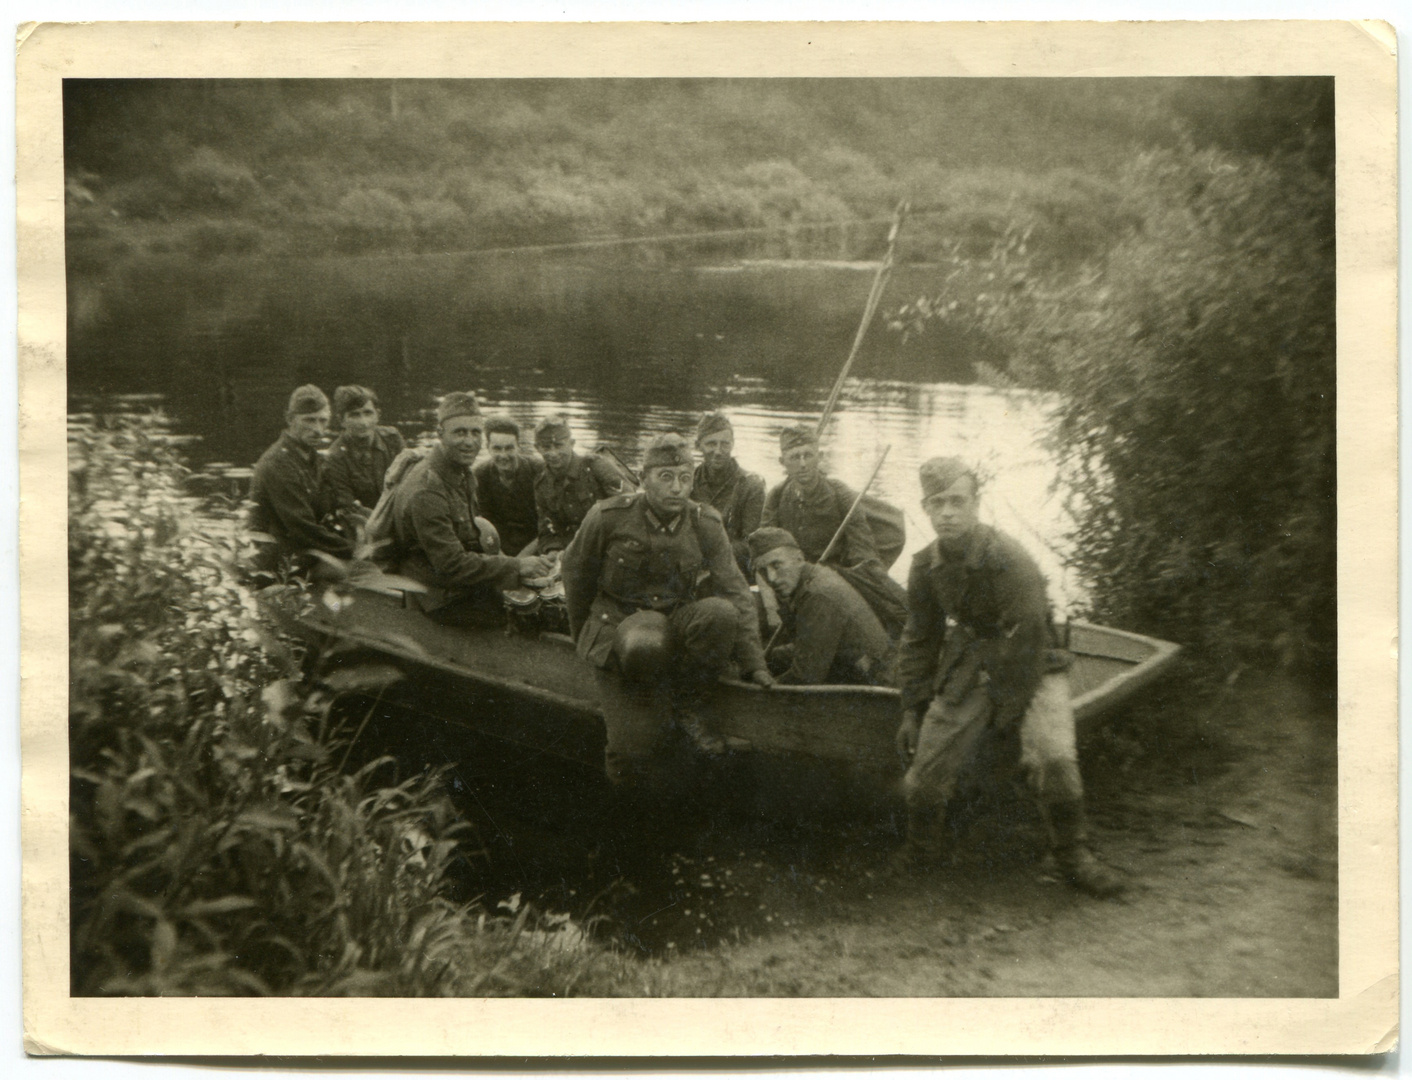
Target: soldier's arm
{"points": [[1015, 659], [770, 510], [550, 539], [729, 583], [605, 477], [582, 565], [338, 482], [920, 648], [435, 533], [299, 516], [752, 509], [818, 631]]}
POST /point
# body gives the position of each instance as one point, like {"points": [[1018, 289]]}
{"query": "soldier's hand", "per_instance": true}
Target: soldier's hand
{"points": [[533, 566], [762, 677], [907, 733]]}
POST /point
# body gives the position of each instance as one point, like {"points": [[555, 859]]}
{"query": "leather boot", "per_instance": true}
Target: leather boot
{"points": [[1077, 865], [922, 851]]}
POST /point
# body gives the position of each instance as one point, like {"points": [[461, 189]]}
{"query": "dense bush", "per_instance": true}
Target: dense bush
{"points": [[1194, 365], [217, 846], [435, 165]]}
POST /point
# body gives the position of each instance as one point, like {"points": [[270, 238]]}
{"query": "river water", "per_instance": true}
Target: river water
{"points": [[626, 350]]}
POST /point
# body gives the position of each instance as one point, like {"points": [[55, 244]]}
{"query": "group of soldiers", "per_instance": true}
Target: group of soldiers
{"points": [[655, 574]]}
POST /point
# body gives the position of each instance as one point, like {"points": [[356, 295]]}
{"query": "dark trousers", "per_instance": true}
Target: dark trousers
{"points": [[659, 660]]}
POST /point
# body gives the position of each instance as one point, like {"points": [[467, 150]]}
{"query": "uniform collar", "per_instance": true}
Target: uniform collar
{"points": [[669, 527], [815, 492], [732, 470], [972, 556], [363, 447], [296, 447], [571, 470], [453, 471]]}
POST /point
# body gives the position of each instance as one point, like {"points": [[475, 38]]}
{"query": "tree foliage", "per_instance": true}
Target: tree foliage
{"points": [[217, 844], [1194, 366]]}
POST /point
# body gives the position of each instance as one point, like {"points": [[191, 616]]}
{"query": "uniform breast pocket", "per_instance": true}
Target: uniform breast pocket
{"points": [[626, 559]]}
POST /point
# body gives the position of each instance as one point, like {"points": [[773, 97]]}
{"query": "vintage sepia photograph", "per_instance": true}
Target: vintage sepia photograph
{"points": [[711, 536]]}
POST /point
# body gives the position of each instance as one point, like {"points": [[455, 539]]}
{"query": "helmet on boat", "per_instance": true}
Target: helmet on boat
{"points": [[641, 645]]}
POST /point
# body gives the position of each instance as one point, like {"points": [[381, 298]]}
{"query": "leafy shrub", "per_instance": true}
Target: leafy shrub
{"points": [[216, 844], [1194, 364]]}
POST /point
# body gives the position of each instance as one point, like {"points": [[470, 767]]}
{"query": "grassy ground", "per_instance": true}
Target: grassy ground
{"points": [[1224, 823]]}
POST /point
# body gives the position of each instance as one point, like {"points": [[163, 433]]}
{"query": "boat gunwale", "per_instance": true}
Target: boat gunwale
{"points": [[1111, 691]]}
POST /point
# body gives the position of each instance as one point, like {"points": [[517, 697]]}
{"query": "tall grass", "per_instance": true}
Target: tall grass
{"points": [[217, 846]]}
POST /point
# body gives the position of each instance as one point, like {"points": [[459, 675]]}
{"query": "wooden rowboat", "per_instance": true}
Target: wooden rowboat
{"points": [[531, 689]]}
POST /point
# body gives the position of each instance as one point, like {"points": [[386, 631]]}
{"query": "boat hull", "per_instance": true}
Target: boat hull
{"points": [[532, 689]]}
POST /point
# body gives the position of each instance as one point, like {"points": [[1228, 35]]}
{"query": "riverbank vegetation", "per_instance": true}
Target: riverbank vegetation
{"points": [[312, 167], [1194, 364], [220, 841]]}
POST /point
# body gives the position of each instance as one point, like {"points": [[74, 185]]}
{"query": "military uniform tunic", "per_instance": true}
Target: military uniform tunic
{"points": [[812, 515], [562, 499], [624, 559], [291, 499], [510, 507], [834, 635], [433, 514], [739, 497], [354, 471], [979, 655]]}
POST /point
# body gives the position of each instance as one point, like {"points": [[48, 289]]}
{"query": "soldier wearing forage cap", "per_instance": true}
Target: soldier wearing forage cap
{"points": [[719, 481], [440, 538], [832, 634], [812, 506], [632, 577], [979, 660], [569, 484], [288, 487], [359, 458]]}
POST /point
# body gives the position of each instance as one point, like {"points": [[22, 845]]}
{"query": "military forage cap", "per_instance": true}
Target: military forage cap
{"points": [[766, 538], [939, 473], [551, 428], [457, 403], [352, 397], [797, 435], [668, 449], [711, 423], [308, 398]]}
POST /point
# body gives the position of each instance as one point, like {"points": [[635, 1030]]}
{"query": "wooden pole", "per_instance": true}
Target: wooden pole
{"points": [[869, 309]]}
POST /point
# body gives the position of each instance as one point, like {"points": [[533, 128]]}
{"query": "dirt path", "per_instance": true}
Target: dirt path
{"points": [[1229, 842], [1222, 817]]}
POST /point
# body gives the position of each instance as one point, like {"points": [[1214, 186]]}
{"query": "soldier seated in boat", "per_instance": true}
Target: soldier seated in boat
{"points": [[505, 487], [569, 485], [812, 506], [441, 540], [979, 661], [719, 481], [359, 458], [658, 605], [288, 488], [831, 635]]}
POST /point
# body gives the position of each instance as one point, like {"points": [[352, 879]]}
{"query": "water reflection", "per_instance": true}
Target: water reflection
{"points": [[626, 351]]}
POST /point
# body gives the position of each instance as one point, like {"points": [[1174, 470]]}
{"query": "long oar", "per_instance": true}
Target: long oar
{"points": [[869, 309], [841, 526]]}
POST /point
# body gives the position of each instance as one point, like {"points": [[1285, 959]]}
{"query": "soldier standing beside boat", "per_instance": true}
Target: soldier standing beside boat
{"points": [[505, 487], [812, 507], [831, 635], [441, 539], [289, 489], [569, 485], [979, 660], [719, 481], [359, 458], [632, 576]]}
